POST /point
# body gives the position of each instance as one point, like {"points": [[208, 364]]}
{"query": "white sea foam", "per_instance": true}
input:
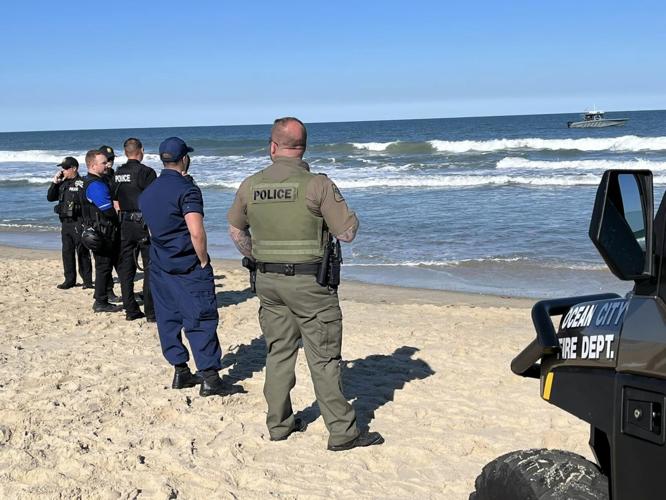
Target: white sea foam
{"points": [[56, 156], [525, 164], [435, 263], [373, 146], [218, 184], [624, 143], [33, 227], [469, 181], [17, 178], [212, 180], [485, 260], [451, 181], [37, 156]]}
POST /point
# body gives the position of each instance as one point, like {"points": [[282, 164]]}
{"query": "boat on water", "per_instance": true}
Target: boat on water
{"points": [[595, 119]]}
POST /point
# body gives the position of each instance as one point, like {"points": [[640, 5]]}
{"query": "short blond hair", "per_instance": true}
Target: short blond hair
{"points": [[90, 156]]}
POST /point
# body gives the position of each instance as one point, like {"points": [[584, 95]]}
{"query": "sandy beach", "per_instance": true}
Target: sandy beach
{"points": [[86, 408]]}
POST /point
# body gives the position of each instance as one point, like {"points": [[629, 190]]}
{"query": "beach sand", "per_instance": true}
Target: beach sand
{"points": [[86, 408]]}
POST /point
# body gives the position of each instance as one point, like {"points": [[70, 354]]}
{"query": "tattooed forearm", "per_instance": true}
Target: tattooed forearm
{"points": [[349, 234], [242, 240]]}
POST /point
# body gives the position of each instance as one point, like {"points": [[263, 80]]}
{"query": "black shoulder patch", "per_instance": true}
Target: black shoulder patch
{"points": [[337, 194]]}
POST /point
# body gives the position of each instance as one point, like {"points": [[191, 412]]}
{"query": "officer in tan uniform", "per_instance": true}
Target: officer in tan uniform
{"points": [[281, 217]]}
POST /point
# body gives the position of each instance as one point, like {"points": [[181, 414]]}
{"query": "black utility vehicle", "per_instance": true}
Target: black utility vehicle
{"points": [[606, 364]]}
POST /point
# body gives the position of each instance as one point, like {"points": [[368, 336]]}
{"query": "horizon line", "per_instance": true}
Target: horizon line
{"points": [[318, 122]]}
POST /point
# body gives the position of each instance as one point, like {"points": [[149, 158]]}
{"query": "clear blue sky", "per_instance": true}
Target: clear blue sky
{"points": [[73, 64]]}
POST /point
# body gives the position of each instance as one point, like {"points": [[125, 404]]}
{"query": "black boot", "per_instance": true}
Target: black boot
{"points": [[66, 285], [184, 378], [299, 426], [131, 316], [213, 385], [365, 439], [112, 297], [105, 307]]}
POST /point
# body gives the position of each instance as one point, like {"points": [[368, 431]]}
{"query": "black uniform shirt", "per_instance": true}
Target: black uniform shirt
{"points": [[130, 181]]}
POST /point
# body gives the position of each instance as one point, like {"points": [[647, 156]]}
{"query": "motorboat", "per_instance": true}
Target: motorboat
{"points": [[595, 119]]}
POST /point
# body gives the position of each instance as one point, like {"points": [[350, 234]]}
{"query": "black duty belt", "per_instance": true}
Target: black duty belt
{"points": [[288, 269], [134, 216]]}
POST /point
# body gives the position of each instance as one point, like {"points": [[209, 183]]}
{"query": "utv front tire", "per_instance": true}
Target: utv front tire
{"points": [[540, 475]]}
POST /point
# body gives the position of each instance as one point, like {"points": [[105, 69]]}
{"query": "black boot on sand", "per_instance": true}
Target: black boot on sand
{"points": [[213, 385], [184, 378], [366, 439]]}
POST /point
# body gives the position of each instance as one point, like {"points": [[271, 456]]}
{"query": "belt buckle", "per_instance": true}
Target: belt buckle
{"points": [[289, 270]]}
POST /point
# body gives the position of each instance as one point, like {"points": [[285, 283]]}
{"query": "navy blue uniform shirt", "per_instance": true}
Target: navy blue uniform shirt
{"points": [[164, 204]]}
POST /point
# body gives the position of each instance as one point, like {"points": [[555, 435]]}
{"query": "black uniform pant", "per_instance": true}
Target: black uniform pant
{"points": [[104, 262], [134, 239], [72, 248]]}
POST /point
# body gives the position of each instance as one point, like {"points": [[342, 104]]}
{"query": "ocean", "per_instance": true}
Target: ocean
{"points": [[496, 205]]}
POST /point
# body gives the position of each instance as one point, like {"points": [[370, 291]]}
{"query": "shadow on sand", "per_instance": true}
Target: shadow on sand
{"points": [[372, 382], [245, 360], [233, 297]]}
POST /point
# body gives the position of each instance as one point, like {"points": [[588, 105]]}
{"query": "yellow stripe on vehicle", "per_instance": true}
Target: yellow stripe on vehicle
{"points": [[547, 386]]}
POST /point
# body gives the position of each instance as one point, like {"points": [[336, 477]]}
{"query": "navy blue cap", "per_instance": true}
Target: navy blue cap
{"points": [[173, 149], [108, 152]]}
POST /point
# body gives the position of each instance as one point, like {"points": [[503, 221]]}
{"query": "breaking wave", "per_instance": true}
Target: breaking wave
{"points": [[523, 163], [624, 143], [37, 156], [468, 181], [449, 181]]}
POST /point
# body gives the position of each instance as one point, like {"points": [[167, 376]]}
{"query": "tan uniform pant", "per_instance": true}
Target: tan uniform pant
{"points": [[295, 308]]}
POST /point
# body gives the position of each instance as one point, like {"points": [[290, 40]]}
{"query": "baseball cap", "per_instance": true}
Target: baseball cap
{"points": [[173, 149], [69, 162], [107, 151]]}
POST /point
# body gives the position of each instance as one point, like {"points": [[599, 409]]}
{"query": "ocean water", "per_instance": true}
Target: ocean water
{"points": [[497, 205]]}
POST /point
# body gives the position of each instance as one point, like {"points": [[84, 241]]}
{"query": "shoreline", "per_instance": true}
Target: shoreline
{"points": [[527, 280], [350, 289]]}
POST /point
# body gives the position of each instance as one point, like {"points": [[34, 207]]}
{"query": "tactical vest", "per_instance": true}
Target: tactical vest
{"points": [[93, 216], [126, 186], [70, 198], [282, 227]]}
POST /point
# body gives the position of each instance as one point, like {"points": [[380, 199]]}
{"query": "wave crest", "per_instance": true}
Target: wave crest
{"points": [[511, 162], [624, 143]]}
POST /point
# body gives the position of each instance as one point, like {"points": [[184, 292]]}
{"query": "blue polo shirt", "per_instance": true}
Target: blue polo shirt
{"points": [[98, 193], [164, 204]]}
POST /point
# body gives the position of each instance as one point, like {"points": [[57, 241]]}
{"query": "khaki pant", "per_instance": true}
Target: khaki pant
{"points": [[295, 308]]}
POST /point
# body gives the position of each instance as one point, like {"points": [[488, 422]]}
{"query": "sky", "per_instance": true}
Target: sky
{"points": [[75, 65]]}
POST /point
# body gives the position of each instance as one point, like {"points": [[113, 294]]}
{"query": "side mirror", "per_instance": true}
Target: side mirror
{"points": [[621, 225]]}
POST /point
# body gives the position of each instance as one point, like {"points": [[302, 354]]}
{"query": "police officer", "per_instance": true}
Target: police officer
{"points": [[130, 181], [98, 212], [181, 276], [281, 217], [110, 155], [67, 190], [110, 176]]}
